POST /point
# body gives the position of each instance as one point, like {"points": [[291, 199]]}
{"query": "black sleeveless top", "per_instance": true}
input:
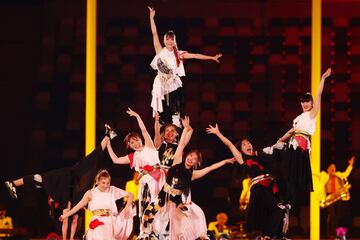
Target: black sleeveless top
{"points": [[166, 153]]}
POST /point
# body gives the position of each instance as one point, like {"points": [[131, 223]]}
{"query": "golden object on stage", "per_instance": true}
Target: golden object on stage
{"points": [[342, 194], [244, 205]]}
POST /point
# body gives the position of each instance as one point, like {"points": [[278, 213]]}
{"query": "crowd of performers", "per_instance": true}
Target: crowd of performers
{"points": [[165, 173]]}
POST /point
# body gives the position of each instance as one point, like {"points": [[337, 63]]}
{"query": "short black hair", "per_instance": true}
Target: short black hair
{"points": [[170, 34], [306, 97]]}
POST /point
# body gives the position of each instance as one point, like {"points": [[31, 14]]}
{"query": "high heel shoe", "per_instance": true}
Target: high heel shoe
{"points": [[107, 130]]}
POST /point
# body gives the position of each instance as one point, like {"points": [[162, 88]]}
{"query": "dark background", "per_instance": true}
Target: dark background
{"points": [[253, 91]]}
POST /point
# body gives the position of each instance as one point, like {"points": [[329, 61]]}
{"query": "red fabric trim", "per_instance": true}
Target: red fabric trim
{"points": [[148, 168], [95, 223], [265, 182], [302, 142], [131, 158], [275, 188], [50, 200], [176, 56], [250, 163]]}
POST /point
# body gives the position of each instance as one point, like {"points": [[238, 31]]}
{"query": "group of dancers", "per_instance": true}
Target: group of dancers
{"points": [[166, 210]]}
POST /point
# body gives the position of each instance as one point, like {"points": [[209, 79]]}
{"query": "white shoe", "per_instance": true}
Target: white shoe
{"points": [[11, 188]]}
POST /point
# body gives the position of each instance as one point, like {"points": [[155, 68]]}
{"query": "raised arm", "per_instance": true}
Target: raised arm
{"points": [[346, 173], [200, 173], [215, 130], [157, 137], [83, 202], [202, 56], [287, 135], [114, 158], [317, 103], [156, 41], [184, 140], [189, 130], [148, 141]]}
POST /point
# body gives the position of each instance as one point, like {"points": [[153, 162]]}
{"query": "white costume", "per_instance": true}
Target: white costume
{"points": [[107, 224], [168, 76]]}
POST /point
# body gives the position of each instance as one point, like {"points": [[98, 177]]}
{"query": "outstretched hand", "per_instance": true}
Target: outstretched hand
{"points": [[61, 218], [230, 160], [216, 57], [132, 113], [151, 12], [326, 74], [213, 130], [186, 122]]}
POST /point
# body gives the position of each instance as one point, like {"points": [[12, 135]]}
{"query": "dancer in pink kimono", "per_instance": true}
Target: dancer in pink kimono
{"points": [[107, 223]]}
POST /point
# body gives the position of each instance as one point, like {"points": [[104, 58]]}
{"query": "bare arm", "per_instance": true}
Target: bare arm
{"points": [[189, 130], [200, 173], [156, 41], [114, 158], [287, 135], [157, 137], [184, 140], [148, 141], [83, 202], [215, 130], [202, 56], [316, 107]]}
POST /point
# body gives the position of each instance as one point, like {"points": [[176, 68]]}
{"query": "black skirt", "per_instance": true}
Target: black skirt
{"points": [[70, 184], [299, 171], [264, 215]]}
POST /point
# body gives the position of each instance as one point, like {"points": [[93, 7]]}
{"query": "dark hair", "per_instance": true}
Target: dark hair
{"points": [[170, 34], [129, 136], [306, 97], [199, 155], [238, 143]]}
